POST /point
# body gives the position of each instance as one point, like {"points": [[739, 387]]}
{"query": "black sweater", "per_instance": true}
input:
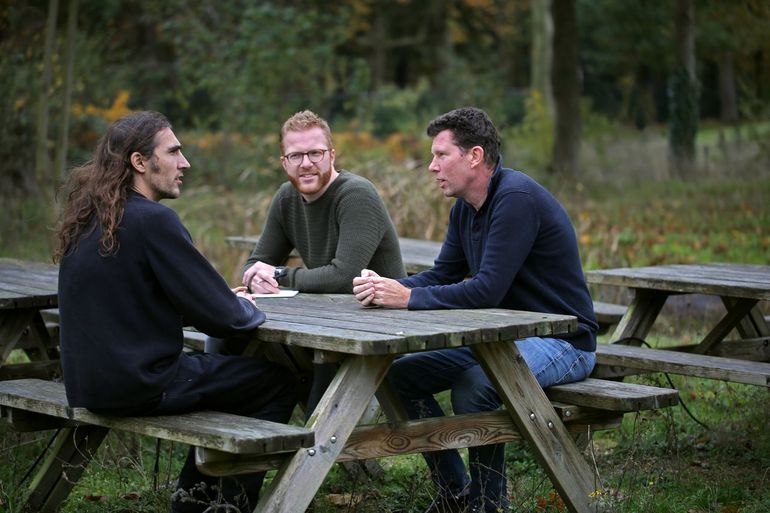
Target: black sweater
{"points": [[122, 315]]}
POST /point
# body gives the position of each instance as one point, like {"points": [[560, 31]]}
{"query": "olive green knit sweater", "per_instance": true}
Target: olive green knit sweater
{"points": [[345, 230]]}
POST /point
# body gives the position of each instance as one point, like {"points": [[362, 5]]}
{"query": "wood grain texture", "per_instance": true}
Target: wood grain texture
{"points": [[732, 280], [676, 362], [215, 430]]}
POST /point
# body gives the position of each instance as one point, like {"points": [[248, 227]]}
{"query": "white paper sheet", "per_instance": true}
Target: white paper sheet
{"points": [[282, 293]]}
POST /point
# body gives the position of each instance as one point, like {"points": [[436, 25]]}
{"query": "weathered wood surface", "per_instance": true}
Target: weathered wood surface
{"points": [[608, 313], [419, 255], [215, 430], [614, 359], [25, 288], [611, 399], [338, 323], [535, 418], [731, 280], [417, 436], [333, 420], [617, 396], [65, 462], [27, 284]]}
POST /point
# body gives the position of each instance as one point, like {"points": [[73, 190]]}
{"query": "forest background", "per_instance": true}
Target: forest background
{"points": [[649, 120], [642, 96]]}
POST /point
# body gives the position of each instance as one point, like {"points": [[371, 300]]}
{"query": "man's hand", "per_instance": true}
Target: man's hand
{"points": [[259, 279], [243, 292], [370, 289]]}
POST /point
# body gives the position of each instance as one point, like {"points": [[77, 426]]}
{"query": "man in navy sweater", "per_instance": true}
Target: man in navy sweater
{"points": [[130, 279], [516, 243]]}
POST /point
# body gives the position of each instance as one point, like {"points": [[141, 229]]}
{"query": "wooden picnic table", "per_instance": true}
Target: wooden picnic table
{"points": [[366, 340], [741, 287], [26, 288], [419, 255]]}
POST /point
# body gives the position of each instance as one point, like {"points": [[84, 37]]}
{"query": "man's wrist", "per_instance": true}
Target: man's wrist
{"points": [[280, 272]]}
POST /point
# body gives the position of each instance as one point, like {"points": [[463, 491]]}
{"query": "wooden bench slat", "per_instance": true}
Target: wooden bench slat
{"points": [[609, 313], [214, 430], [676, 362], [617, 396]]}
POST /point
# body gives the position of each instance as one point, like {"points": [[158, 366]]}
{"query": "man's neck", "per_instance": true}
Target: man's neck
{"points": [[478, 192]]}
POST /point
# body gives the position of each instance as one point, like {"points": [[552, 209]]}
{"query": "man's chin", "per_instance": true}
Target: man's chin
{"points": [[309, 189]]}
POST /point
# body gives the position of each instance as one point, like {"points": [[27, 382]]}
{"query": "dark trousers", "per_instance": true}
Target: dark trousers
{"points": [[323, 373], [230, 384]]}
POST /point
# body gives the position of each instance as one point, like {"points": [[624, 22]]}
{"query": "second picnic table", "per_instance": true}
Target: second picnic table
{"points": [[741, 287]]}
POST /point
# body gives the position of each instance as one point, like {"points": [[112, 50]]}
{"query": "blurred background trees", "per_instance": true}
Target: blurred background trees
{"points": [[384, 66], [563, 80]]}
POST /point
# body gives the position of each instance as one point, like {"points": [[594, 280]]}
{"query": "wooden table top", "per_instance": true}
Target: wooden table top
{"points": [[26, 284], [730, 280], [417, 254], [338, 323]]}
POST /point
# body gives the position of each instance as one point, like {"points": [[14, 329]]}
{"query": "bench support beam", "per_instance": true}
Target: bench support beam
{"points": [[71, 453]]}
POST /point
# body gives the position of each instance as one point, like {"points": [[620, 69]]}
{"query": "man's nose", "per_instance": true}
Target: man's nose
{"points": [[306, 161], [433, 166], [185, 164]]}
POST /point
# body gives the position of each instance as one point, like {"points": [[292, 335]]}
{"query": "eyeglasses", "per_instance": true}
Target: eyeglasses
{"points": [[296, 158]]}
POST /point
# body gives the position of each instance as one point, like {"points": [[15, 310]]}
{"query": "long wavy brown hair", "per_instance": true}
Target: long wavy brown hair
{"points": [[96, 192]]}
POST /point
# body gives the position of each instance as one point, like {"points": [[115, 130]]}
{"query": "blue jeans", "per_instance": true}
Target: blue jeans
{"points": [[416, 377]]}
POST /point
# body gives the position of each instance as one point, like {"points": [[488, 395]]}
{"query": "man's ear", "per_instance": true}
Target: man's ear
{"points": [[476, 155], [137, 160]]}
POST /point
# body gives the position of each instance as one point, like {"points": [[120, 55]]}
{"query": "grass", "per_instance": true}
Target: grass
{"points": [[626, 209], [656, 462]]}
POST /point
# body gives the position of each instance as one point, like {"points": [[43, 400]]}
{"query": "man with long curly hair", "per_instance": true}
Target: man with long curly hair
{"points": [[129, 280]]}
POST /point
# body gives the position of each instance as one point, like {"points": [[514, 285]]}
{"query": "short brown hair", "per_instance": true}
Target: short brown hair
{"points": [[305, 120]]}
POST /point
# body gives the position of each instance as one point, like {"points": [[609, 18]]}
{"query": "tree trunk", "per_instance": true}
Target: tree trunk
{"points": [[61, 151], [566, 89], [683, 92], [378, 55], [42, 160], [728, 106], [542, 54]]}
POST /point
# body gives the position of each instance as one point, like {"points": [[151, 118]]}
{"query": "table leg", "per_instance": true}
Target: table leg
{"points": [[73, 449], [338, 412], [12, 326], [640, 315], [539, 424], [753, 325], [736, 312]]}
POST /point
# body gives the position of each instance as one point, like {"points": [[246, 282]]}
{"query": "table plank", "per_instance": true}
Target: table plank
{"points": [[337, 322], [733, 280], [27, 284]]}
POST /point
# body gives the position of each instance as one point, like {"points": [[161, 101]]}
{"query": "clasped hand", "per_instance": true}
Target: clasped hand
{"points": [[371, 289]]}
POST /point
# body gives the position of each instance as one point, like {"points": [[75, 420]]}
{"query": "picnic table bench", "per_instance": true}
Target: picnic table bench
{"points": [[35, 404], [231, 444]]}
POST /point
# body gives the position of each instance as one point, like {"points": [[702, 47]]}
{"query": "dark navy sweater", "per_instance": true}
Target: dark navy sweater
{"points": [[520, 251], [122, 315]]}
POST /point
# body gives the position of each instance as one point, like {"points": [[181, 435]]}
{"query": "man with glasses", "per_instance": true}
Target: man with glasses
{"points": [[335, 220]]}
